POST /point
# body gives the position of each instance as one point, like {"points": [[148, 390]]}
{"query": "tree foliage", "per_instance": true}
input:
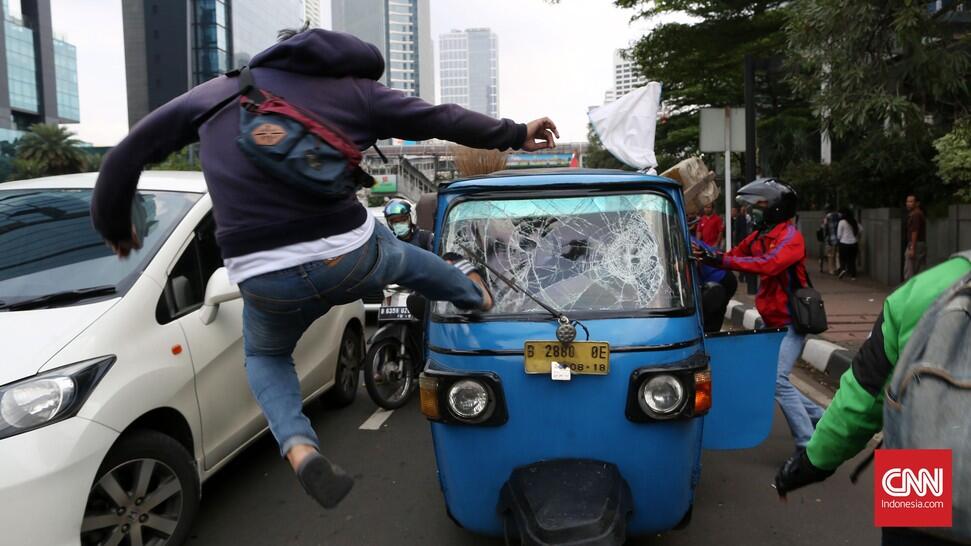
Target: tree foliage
{"points": [[597, 157], [954, 159], [47, 150]]}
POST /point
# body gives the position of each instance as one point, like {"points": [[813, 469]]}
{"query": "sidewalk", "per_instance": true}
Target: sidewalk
{"points": [[851, 309]]}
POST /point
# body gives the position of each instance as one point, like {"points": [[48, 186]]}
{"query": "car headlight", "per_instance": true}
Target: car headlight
{"points": [[662, 394], [49, 397], [469, 399]]}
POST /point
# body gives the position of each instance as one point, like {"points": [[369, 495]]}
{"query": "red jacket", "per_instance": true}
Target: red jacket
{"points": [[770, 256]]}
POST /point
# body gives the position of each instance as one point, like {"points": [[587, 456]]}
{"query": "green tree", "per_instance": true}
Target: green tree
{"points": [[181, 160], [700, 63], [47, 150], [954, 159]]}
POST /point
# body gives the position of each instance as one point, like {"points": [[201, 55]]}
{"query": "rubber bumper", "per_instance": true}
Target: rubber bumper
{"points": [[567, 501]]}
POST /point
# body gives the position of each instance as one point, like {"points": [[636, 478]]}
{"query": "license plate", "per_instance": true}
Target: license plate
{"points": [[393, 313], [583, 357]]}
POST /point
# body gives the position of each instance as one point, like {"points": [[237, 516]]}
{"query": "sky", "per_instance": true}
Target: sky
{"points": [[554, 60]]}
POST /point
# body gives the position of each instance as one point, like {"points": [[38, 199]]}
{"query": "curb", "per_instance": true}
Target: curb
{"points": [[825, 356]]}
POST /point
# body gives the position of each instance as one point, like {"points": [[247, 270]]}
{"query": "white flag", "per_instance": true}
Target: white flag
{"points": [[626, 127]]}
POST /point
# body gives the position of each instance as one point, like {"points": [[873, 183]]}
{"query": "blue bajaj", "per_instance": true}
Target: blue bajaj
{"points": [[575, 411]]}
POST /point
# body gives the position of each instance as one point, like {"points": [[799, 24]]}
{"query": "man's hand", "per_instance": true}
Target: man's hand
{"points": [[123, 248], [704, 256], [798, 472], [539, 135]]}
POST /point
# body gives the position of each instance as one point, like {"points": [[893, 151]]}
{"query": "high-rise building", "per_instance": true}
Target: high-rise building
{"points": [[469, 70], [401, 29], [173, 45], [38, 71], [627, 77], [312, 12]]}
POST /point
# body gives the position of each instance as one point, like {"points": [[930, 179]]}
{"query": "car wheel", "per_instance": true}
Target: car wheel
{"points": [[146, 493], [348, 372]]}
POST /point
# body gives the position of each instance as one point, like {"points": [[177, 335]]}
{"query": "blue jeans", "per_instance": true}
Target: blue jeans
{"points": [[279, 306], [801, 412]]}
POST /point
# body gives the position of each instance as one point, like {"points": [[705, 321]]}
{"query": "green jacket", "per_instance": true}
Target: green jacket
{"points": [[856, 413]]}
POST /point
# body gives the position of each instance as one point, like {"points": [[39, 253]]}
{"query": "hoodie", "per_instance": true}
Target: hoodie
{"points": [[331, 74]]}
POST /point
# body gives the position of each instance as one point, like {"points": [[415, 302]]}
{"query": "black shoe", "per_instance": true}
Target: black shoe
{"points": [[323, 480]]}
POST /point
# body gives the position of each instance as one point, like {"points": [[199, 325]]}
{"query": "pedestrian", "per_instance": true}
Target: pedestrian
{"points": [[831, 224], [293, 252], [848, 233], [857, 410], [397, 213], [776, 252], [915, 256], [711, 227]]}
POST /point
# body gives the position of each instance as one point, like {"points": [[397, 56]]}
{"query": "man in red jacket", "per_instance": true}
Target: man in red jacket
{"points": [[776, 252]]}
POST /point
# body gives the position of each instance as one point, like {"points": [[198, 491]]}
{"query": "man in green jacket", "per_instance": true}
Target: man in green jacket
{"points": [[856, 413]]}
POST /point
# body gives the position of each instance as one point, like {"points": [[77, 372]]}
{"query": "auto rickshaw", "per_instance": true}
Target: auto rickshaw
{"points": [[575, 411]]}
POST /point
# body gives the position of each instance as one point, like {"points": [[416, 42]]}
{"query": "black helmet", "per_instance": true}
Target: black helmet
{"points": [[781, 200]]}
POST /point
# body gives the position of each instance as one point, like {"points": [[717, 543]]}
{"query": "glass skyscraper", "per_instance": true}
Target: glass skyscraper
{"points": [[469, 70], [172, 45], [31, 92]]}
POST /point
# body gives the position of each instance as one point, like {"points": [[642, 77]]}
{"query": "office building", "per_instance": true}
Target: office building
{"points": [[38, 71], [173, 45], [401, 29], [627, 77], [312, 13], [469, 70]]}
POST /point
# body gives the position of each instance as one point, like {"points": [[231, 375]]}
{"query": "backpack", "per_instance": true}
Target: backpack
{"points": [[928, 400], [291, 146]]}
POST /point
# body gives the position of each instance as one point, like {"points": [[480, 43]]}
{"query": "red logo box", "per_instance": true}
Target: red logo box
{"points": [[912, 488]]}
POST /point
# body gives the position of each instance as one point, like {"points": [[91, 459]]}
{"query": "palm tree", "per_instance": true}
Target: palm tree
{"points": [[52, 149]]}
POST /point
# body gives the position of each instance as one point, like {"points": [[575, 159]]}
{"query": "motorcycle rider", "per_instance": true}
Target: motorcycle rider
{"points": [[398, 215]]}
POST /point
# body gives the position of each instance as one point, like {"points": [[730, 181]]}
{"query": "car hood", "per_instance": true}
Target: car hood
{"points": [[31, 338]]}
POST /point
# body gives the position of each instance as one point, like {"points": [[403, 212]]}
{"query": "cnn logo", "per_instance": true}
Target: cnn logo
{"points": [[912, 488]]}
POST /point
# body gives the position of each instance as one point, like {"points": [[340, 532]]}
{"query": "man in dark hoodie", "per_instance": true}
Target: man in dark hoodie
{"points": [[296, 255]]}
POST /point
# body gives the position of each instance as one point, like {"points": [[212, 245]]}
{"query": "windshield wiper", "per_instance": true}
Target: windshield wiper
{"points": [[68, 296], [565, 331]]}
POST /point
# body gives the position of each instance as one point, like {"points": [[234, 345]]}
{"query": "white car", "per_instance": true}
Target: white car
{"points": [[123, 386]]}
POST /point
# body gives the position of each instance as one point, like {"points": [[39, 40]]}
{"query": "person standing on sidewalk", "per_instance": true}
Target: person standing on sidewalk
{"points": [[915, 256], [293, 252], [856, 413], [776, 252], [830, 225], [711, 227], [848, 234]]}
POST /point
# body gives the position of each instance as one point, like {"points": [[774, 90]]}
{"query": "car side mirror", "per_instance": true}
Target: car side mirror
{"points": [[218, 290]]}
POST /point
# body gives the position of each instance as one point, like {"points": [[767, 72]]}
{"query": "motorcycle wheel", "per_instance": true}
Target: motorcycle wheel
{"points": [[390, 380]]}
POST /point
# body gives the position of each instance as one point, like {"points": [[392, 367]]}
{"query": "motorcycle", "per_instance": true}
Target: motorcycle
{"points": [[393, 360]]}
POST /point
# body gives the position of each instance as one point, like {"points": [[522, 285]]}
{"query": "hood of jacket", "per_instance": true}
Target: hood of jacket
{"points": [[320, 52]]}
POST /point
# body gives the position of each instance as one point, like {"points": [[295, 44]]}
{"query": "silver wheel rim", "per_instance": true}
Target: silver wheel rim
{"points": [[137, 503], [392, 389], [349, 361]]}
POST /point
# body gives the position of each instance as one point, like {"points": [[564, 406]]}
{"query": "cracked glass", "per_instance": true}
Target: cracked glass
{"points": [[622, 253]]}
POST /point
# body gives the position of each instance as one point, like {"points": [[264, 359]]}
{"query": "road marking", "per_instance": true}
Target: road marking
{"points": [[376, 419]]}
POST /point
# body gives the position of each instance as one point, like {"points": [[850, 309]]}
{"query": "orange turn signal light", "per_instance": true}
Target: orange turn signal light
{"points": [[428, 389], [702, 392]]}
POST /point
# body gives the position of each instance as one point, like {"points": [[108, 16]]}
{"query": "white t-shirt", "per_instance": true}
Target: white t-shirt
{"points": [[246, 266], [844, 232]]}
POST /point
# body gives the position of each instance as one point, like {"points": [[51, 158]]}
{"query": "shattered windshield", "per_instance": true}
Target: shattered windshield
{"points": [[591, 253]]}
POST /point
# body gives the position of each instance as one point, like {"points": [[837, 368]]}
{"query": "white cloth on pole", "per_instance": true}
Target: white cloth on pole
{"points": [[626, 127]]}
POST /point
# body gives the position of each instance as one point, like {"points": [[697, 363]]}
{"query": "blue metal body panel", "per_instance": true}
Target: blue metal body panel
{"points": [[743, 372]]}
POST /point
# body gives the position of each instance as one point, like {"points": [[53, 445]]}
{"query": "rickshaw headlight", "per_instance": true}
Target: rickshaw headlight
{"points": [[469, 399], [662, 394]]}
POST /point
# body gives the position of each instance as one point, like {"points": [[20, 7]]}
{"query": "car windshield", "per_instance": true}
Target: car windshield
{"points": [[621, 253], [48, 245]]}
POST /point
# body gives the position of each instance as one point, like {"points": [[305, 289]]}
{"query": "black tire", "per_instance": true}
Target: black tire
{"points": [[376, 356], [147, 490], [347, 375]]}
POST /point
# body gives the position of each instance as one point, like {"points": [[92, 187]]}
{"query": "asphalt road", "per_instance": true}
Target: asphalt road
{"points": [[255, 500]]}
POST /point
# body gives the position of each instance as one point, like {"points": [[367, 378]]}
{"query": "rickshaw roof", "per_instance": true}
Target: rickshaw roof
{"points": [[552, 178]]}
